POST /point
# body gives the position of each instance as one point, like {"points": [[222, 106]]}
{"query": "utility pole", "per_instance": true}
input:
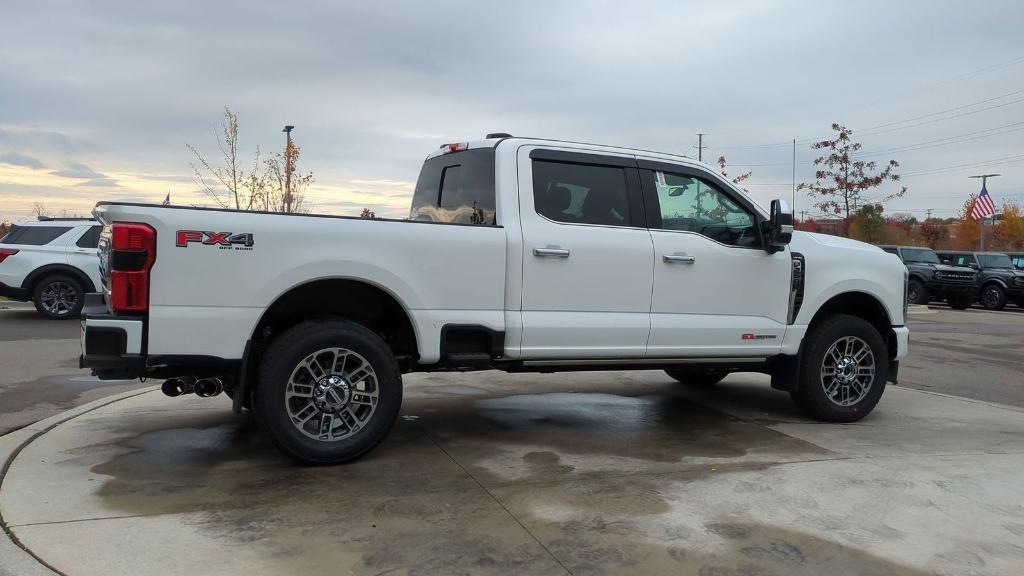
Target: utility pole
{"points": [[929, 214], [981, 221], [288, 169], [700, 146]]}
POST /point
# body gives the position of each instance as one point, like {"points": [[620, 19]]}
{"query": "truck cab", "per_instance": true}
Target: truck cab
{"points": [[518, 254]]}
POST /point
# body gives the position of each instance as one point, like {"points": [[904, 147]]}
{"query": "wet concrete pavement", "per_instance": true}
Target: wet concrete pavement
{"points": [[39, 374], [489, 473]]}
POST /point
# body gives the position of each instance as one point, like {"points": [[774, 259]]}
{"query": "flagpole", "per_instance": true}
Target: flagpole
{"points": [[981, 221]]}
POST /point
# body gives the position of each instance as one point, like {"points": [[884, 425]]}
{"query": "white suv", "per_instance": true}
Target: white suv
{"points": [[51, 262]]}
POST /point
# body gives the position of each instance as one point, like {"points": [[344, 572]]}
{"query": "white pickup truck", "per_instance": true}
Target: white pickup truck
{"points": [[519, 254]]}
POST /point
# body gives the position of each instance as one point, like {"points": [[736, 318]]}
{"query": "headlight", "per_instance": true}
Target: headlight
{"points": [[937, 275]]}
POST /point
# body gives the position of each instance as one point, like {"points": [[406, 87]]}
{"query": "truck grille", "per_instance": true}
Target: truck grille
{"points": [[958, 276]]}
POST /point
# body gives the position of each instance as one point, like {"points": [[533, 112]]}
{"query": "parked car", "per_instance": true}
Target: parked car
{"points": [[52, 262], [930, 279], [998, 279], [1017, 258], [520, 255]]}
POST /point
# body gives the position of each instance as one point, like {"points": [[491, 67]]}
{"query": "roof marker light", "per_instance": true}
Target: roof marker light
{"points": [[454, 147]]}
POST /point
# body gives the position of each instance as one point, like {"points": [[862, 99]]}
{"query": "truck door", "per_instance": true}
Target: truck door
{"points": [[716, 291], [587, 261]]}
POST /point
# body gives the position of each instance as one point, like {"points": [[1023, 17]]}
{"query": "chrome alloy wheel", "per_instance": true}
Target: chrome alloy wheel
{"points": [[58, 298], [848, 371], [331, 394]]}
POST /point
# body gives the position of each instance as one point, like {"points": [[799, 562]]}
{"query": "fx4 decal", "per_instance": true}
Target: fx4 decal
{"points": [[224, 240], [749, 336]]}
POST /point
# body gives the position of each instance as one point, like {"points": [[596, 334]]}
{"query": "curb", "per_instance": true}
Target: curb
{"points": [[16, 559]]}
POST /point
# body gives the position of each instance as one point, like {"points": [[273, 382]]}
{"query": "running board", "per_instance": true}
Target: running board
{"points": [[644, 361]]}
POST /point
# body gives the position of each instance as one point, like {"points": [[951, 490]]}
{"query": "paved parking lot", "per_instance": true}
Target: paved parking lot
{"points": [[39, 374], [587, 473]]}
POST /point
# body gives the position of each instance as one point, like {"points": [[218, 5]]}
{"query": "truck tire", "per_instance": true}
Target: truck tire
{"points": [[959, 302], [917, 292], [59, 297], [843, 371], [993, 297], [697, 377], [329, 391]]}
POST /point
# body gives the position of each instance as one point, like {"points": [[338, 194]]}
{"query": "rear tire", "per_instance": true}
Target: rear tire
{"points": [[836, 383], [993, 297], [340, 380], [917, 292], [59, 297], [697, 377]]}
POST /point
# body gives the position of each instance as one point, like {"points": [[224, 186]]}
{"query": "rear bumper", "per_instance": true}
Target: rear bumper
{"points": [[112, 346], [13, 293]]}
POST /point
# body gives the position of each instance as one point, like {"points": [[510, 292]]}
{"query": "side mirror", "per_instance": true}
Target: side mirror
{"points": [[779, 227]]}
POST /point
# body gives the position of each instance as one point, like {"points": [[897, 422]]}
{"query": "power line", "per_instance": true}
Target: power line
{"points": [[875, 130]]}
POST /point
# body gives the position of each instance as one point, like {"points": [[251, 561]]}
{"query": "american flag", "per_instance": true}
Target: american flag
{"points": [[984, 206], [167, 201]]}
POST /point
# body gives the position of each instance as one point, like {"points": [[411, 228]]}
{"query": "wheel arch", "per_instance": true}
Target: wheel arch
{"points": [[856, 303], [33, 279], [358, 300], [994, 280]]}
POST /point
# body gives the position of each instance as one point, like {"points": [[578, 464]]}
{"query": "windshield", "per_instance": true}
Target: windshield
{"points": [[920, 255], [995, 261]]}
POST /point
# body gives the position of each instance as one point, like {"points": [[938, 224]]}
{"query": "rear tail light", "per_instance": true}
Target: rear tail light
{"points": [[5, 252], [132, 252]]}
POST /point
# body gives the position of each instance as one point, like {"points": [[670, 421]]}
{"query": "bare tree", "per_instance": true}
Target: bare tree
{"points": [[39, 209], [230, 185], [841, 180], [737, 179]]}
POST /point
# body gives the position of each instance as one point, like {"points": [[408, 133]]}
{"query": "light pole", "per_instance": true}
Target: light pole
{"points": [[288, 169], [981, 221]]}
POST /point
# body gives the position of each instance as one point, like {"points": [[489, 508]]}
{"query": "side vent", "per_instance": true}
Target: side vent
{"points": [[796, 286]]}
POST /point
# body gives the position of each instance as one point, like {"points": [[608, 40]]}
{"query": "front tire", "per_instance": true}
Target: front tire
{"points": [[59, 297], [329, 391], [917, 292], [692, 377], [843, 371], [993, 297]]}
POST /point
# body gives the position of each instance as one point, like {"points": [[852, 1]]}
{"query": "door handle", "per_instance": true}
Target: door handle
{"points": [[551, 252], [81, 252], [680, 258]]}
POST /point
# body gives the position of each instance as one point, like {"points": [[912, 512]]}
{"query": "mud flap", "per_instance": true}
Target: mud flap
{"points": [[785, 372]]}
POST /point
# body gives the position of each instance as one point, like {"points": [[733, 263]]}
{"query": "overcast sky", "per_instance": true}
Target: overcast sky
{"points": [[97, 99]]}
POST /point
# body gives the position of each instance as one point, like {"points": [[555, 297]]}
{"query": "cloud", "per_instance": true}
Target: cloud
{"points": [[104, 182], [77, 170], [21, 160]]}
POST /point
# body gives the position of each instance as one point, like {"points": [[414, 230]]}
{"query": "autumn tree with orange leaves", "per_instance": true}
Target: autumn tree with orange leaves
{"points": [[966, 232], [841, 179]]}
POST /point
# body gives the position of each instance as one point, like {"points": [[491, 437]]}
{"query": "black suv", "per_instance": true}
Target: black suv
{"points": [[999, 281], [930, 279]]}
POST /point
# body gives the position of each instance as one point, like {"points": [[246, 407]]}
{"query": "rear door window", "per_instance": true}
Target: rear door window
{"points": [[34, 235], [90, 239], [581, 193], [456, 188]]}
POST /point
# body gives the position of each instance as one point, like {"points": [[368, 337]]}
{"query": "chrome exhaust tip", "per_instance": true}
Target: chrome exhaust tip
{"points": [[208, 387], [175, 387]]}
